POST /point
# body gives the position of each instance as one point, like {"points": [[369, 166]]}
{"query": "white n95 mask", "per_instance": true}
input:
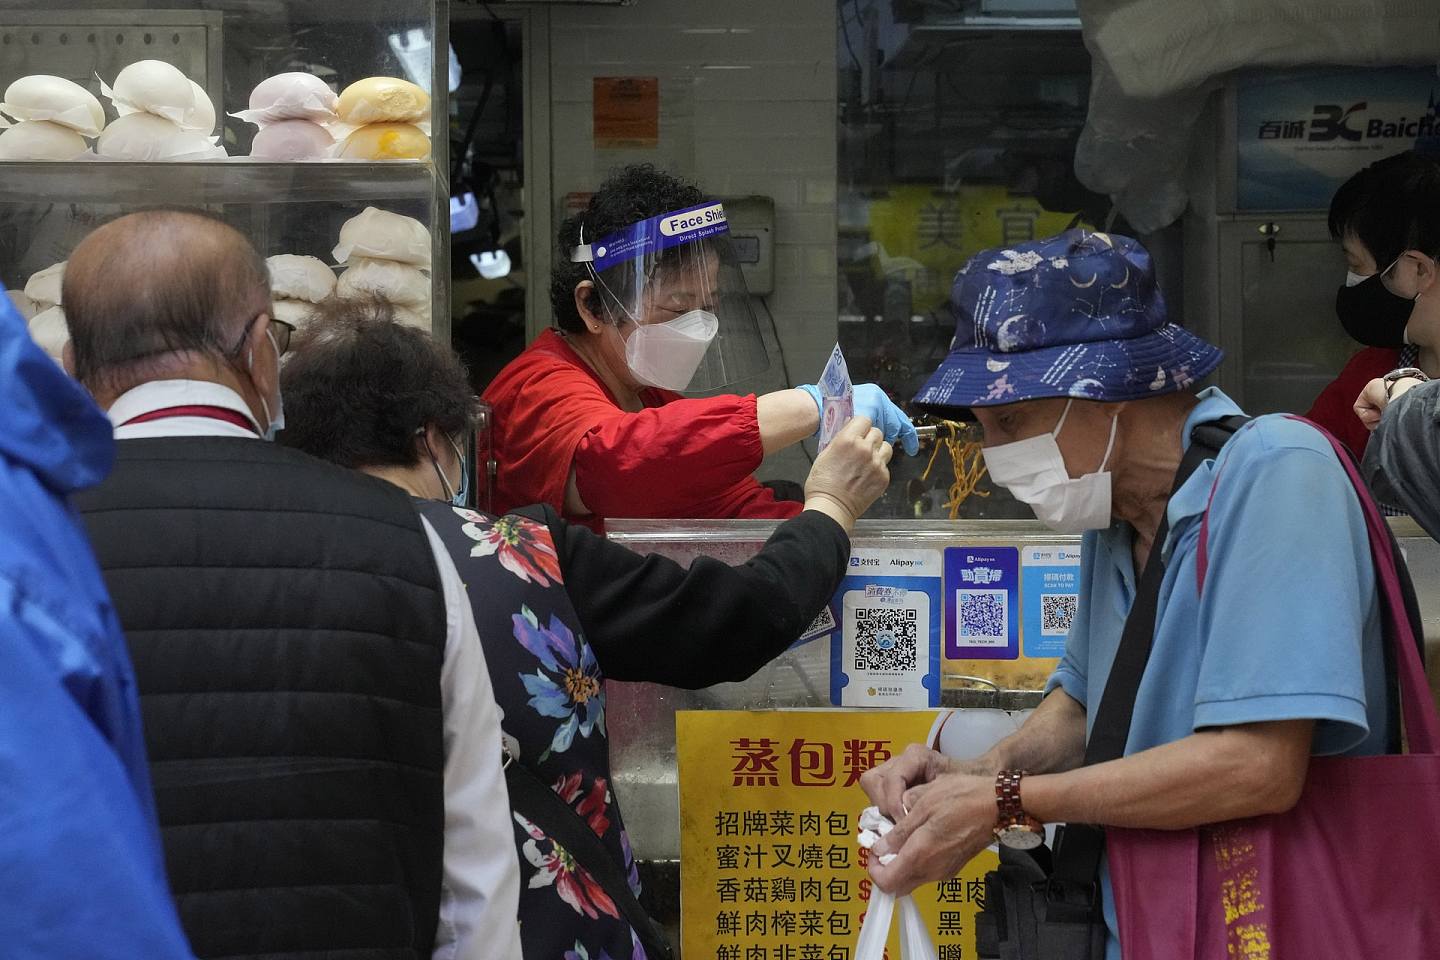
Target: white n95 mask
{"points": [[666, 355], [1034, 472]]}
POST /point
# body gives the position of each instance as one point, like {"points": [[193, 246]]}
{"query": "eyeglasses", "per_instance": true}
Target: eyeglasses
{"points": [[279, 329], [1387, 275], [282, 331]]}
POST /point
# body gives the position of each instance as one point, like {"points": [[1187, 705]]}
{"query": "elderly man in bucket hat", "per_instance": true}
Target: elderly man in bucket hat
{"points": [[1087, 395]]}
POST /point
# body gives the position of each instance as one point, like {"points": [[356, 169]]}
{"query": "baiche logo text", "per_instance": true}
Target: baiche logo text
{"points": [[1338, 123]]}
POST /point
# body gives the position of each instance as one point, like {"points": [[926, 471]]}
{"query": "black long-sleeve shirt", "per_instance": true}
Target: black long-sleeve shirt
{"points": [[650, 618]]}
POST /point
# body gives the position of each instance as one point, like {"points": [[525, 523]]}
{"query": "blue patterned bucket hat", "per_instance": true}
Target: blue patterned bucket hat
{"points": [[1078, 315]]}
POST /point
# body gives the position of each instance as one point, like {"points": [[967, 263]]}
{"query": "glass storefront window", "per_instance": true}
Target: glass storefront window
{"points": [[957, 133]]}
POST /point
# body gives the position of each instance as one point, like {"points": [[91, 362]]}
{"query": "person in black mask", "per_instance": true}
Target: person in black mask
{"points": [[1387, 219]]}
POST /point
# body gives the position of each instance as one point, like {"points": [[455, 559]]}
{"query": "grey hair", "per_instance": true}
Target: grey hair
{"points": [[148, 288]]}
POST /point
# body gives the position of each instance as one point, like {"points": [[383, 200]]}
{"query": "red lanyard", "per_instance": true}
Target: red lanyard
{"points": [[197, 410]]}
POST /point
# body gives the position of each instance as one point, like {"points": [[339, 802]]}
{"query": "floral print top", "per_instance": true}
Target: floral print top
{"points": [[552, 702]]}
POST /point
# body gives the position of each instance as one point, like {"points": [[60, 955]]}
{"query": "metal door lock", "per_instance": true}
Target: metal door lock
{"points": [[1270, 231]]}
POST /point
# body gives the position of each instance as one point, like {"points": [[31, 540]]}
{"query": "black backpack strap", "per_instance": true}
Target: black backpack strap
{"points": [[1079, 847], [540, 805]]}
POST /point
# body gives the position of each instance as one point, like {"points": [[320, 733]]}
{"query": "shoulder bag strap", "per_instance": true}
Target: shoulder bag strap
{"points": [[1401, 623], [539, 804], [1077, 854], [1404, 636]]}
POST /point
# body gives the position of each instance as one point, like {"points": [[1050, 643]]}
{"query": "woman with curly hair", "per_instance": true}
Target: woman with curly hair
{"points": [[559, 609]]}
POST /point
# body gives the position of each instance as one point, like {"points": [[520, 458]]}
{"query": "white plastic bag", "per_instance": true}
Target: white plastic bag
{"points": [[914, 937], [876, 928], [915, 943]]}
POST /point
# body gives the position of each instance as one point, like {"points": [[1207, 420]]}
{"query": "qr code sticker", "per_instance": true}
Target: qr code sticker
{"points": [[824, 622], [984, 617], [1057, 613], [886, 638]]}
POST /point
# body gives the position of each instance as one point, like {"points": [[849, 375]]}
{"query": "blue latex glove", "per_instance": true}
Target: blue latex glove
{"points": [[871, 402]]}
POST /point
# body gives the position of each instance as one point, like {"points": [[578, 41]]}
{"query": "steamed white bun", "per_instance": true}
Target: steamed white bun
{"points": [[291, 96], [154, 86], [145, 136], [294, 277], [49, 329], [418, 317], [201, 117], [381, 235], [400, 283], [41, 140], [26, 307], [294, 312], [292, 140], [43, 97], [44, 287]]}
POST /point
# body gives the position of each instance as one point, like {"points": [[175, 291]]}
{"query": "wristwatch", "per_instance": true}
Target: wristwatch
{"points": [[1015, 828], [1404, 373]]}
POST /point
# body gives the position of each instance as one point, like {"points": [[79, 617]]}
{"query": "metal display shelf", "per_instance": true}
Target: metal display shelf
{"points": [[238, 180], [698, 534]]}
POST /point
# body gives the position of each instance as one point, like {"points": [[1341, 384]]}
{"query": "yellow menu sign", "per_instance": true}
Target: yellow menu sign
{"points": [[927, 234], [769, 864]]}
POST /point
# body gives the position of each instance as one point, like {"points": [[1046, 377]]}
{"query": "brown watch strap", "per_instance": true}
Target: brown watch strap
{"points": [[1007, 795], [1011, 811]]}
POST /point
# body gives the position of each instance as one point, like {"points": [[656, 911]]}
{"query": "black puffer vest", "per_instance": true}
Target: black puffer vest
{"points": [[287, 625]]}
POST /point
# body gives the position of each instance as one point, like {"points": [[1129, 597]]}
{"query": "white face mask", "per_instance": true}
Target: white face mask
{"points": [[666, 355], [1353, 279], [277, 421], [1034, 472]]}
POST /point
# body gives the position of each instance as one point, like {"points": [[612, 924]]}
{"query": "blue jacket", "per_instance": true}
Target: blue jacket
{"points": [[81, 872]]}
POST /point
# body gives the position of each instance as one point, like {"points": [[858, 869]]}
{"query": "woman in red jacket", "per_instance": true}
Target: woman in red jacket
{"points": [[649, 301], [1379, 216]]}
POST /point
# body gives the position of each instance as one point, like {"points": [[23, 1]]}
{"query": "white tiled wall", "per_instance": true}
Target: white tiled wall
{"points": [[748, 99]]}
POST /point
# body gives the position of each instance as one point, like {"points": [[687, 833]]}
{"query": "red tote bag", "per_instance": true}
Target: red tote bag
{"points": [[1353, 871]]}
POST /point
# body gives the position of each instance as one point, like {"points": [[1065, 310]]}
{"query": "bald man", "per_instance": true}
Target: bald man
{"points": [[181, 303], [322, 733]]}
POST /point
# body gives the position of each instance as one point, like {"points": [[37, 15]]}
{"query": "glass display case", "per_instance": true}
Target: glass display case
{"points": [[226, 48]]}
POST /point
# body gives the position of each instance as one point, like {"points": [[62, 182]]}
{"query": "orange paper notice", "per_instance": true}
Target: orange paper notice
{"points": [[627, 112]]}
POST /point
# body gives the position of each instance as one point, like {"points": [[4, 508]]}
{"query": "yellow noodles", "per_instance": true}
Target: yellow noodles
{"points": [[966, 460]]}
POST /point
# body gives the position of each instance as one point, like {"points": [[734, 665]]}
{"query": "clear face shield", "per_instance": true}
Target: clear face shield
{"points": [[672, 288]]}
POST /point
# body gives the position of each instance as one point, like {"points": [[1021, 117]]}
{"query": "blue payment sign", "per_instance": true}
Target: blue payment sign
{"points": [[982, 603], [885, 646], [1051, 588]]}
